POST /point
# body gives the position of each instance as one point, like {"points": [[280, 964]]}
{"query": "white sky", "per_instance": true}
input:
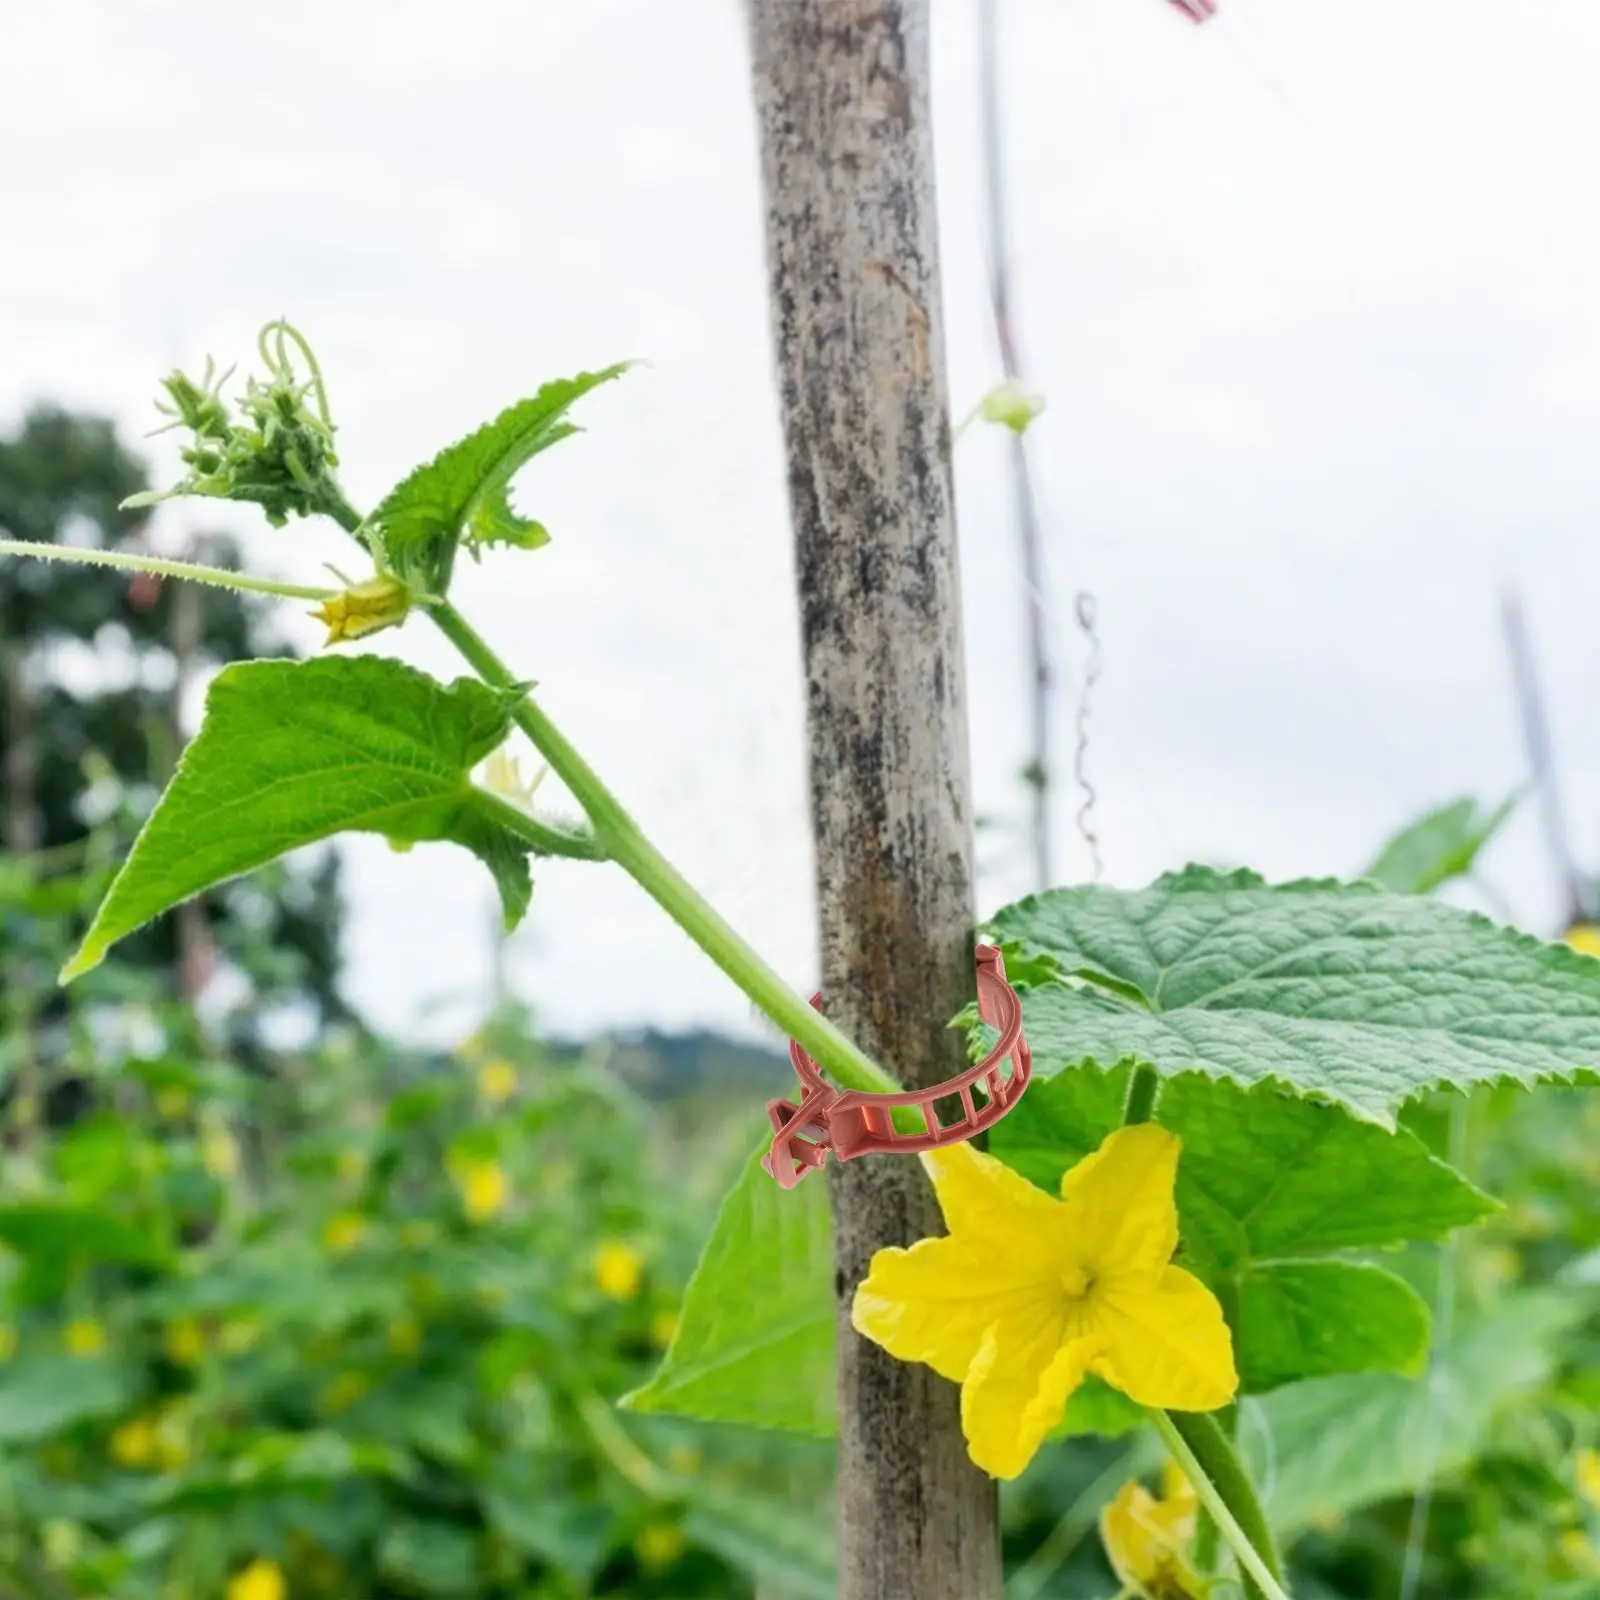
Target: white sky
{"points": [[1311, 292]]}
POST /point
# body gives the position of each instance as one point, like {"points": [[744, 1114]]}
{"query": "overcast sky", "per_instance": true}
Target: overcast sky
{"points": [[1311, 291]]}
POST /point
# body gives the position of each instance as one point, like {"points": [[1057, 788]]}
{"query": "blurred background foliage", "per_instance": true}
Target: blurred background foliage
{"points": [[288, 1310]]}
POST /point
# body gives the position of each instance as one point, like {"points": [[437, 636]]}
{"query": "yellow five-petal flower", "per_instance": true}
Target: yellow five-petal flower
{"points": [[1028, 1294]]}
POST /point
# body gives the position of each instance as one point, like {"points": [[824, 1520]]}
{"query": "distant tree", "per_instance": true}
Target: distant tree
{"points": [[94, 667]]}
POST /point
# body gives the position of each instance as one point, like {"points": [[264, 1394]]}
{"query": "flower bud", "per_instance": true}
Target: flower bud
{"points": [[380, 602]]}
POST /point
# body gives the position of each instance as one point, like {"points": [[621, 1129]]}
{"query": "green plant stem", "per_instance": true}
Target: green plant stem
{"points": [[545, 838], [1143, 1089], [220, 577], [1202, 1449], [622, 841]]}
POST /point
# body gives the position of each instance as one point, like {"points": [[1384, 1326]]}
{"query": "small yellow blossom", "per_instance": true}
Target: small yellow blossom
{"points": [[134, 1443], [1028, 1294], [344, 1232], [261, 1580], [219, 1150], [618, 1267], [343, 1392], [1580, 1552], [351, 1164], [659, 1545], [363, 608], [1011, 406], [1585, 937], [1586, 1476], [62, 1540], [502, 775], [484, 1187], [186, 1342], [84, 1336], [1147, 1540], [172, 1102], [172, 1438], [238, 1335], [8, 1341], [497, 1081], [405, 1336], [663, 1325]]}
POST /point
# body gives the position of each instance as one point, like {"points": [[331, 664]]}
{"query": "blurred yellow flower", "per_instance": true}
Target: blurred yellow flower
{"points": [[484, 1187], [1585, 937], [172, 1438], [84, 1336], [134, 1443], [186, 1342], [172, 1102], [63, 1541], [663, 1325], [405, 1335], [219, 1150], [1586, 1476], [618, 1267], [1147, 1540], [344, 1232], [417, 1234], [239, 1334], [261, 1580], [659, 1545], [1028, 1294], [343, 1393], [8, 1341], [381, 601], [1579, 1550], [351, 1164], [497, 1081]]}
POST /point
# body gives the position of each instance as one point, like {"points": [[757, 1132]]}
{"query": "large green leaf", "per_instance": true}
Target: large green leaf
{"points": [[464, 492], [1438, 847], [755, 1340], [294, 752], [63, 1232], [42, 1394], [1343, 992], [1334, 1444], [788, 1544]]}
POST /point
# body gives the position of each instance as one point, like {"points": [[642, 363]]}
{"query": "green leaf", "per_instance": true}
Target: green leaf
{"points": [[41, 1395], [1334, 1444], [464, 492], [1264, 1181], [1438, 847], [294, 752], [431, 1557], [755, 1340], [59, 1233], [1342, 992], [1307, 1319], [786, 1543]]}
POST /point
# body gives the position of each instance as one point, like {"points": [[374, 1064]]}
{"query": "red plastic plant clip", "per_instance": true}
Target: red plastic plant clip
{"points": [[850, 1123]]}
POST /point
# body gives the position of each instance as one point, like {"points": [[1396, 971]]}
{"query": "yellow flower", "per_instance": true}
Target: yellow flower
{"points": [[62, 1540], [483, 1187], [618, 1268], [186, 1342], [84, 1336], [343, 1393], [1580, 1551], [658, 1545], [351, 1164], [663, 1325], [405, 1335], [8, 1341], [1028, 1294], [172, 1102], [1011, 406], [171, 1438], [497, 1081], [1585, 937], [379, 602], [219, 1150], [134, 1443], [1586, 1475], [1147, 1540], [239, 1334], [344, 1232], [502, 775], [261, 1580]]}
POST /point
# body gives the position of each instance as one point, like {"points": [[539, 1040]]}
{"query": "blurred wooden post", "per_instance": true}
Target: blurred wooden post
{"points": [[841, 91]]}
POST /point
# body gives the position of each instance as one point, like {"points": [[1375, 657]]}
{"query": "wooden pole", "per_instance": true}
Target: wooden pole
{"points": [[841, 90]]}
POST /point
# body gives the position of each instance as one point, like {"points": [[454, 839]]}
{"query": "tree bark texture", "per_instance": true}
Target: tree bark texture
{"points": [[846, 144]]}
